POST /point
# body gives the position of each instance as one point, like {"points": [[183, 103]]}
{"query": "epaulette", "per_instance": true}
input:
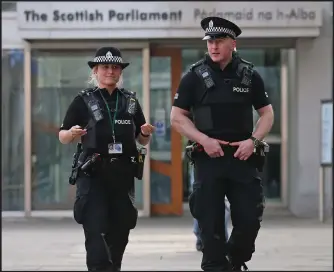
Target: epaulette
{"points": [[193, 66], [128, 93], [87, 91], [247, 62]]}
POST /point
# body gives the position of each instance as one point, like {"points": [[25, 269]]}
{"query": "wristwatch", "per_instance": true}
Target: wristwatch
{"points": [[144, 135], [256, 142]]}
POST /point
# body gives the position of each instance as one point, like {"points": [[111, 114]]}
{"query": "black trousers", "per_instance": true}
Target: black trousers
{"points": [[104, 208], [239, 181]]}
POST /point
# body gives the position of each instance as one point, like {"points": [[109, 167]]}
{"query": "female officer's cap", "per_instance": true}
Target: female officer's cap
{"points": [[108, 55], [216, 27]]}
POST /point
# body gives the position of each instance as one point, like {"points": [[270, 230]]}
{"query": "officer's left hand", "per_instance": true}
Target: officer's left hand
{"points": [[147, 129], [245, 149]]}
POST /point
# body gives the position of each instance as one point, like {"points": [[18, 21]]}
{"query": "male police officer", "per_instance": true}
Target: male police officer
{"points": [[108, 120], [220, 90]]}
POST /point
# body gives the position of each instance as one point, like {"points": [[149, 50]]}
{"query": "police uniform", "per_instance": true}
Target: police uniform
{"points": [[221, 103], [104, 199]]}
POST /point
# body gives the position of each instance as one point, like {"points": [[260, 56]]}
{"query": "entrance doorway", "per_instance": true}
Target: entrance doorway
{"points": [[166, 146]]}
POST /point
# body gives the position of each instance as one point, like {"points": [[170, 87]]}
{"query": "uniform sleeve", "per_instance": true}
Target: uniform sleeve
{"points": [[185, 94], [139, 119], [74, 114], [260, 97]]}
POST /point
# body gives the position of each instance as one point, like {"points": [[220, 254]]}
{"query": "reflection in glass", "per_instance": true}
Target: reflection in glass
{"points": [[160, 188], [133, 74], [268, 64], [12, 130], [57, 78], [160, 93]]}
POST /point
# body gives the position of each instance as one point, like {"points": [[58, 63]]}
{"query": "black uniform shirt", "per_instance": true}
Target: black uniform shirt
{"points": [[190, 85], [78, 114]]}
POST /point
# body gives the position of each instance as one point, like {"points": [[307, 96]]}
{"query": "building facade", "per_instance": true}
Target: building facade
{"points": [[46, 46]]}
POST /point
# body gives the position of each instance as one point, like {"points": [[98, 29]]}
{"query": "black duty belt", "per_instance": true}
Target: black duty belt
{"points": [[109, 159], [226, 148], [229, 148]]}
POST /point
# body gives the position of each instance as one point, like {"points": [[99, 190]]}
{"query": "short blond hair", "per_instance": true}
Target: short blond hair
{"points": [[92, 80]]}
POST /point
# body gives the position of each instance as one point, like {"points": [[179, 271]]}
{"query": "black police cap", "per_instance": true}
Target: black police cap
{"points": [[108, 55], [216, 27]]}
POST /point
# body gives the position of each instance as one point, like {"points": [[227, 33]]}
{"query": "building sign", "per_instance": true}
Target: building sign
{"points": [[99, 16], [279, 14], [125, 16], [134, 15]]}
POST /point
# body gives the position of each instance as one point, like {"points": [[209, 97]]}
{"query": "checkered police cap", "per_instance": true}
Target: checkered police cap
{"points": [[108, 55], [216, 27]]}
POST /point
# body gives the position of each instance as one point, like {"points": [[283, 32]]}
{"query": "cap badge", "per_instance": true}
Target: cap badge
{"points": [[211, 24], [109, 55]]}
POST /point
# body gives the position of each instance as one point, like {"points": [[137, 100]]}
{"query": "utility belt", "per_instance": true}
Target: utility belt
{"points": [[258, 156], [89, 164]]}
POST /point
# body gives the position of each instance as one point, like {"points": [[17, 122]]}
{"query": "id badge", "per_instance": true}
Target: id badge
{"points": [[115, 148]]}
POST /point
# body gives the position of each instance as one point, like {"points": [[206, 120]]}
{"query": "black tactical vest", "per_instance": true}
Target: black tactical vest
{"points": [[99, 134], [224, 111]]}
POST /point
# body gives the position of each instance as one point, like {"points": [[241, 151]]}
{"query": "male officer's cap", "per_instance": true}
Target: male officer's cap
{"points": [[216, 27]]}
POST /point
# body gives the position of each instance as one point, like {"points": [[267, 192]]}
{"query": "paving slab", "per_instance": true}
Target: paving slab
{"points": [[162, 244]]}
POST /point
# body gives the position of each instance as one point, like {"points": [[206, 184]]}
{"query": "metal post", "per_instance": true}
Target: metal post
{"points": [[322, 194], [284, 127], [27, 129], [146, 110]]}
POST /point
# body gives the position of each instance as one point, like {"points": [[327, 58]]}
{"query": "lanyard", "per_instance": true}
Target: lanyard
{"points": [[112, 121]]}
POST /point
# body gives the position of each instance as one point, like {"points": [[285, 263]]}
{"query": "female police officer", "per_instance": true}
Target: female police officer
{"points": [[108, 120]]}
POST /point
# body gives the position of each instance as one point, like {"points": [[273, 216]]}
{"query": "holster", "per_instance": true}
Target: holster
{"points": [[79, 159], [192, 149], [260, 156], [140, 163]]}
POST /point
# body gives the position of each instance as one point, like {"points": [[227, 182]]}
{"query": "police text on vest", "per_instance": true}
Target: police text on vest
{"points": [[240, 90], [123, 122]]}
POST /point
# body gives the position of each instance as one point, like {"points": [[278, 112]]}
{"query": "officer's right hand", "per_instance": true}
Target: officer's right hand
{"points": [[77, 131], [212, 147]]}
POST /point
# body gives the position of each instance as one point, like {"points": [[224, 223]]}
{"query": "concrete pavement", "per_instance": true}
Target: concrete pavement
{"points": [[164, 243]]}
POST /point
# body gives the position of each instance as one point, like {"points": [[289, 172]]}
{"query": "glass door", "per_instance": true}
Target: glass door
{"points": [[57, 77], [165, 146]]}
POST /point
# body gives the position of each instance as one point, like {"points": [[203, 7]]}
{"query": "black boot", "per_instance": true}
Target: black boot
{"points": [[108, 269], [116, 268], [199, 245], [239, 267]]}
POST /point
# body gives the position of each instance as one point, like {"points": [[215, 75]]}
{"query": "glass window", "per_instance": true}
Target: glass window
{"points": [[160, 93], [8, 6], [57, 77], [12, 130], [160, 105], [133, 74], [133, 81]]}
